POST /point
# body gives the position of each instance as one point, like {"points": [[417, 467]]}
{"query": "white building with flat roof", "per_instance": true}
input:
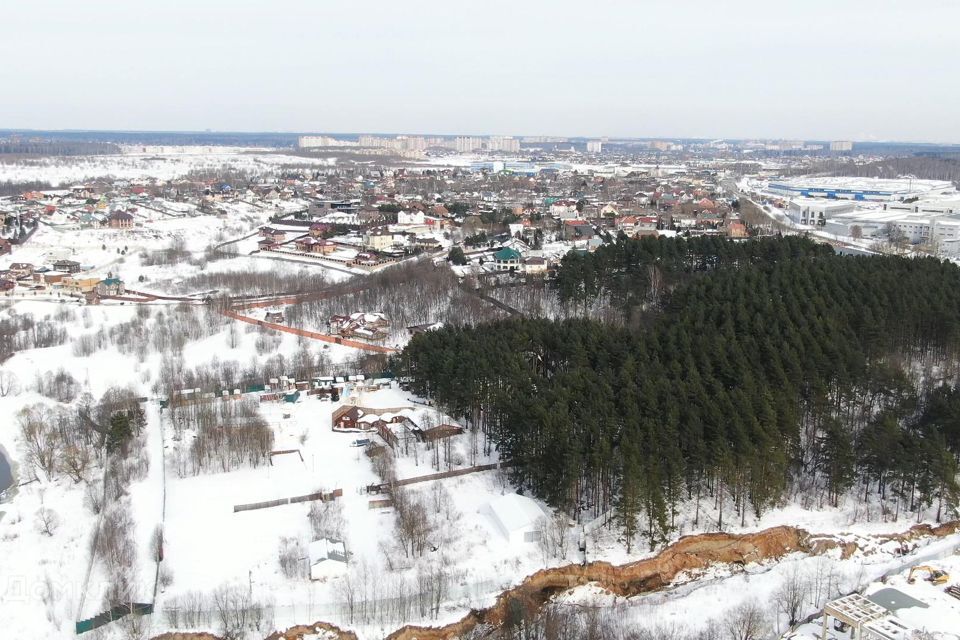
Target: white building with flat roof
{"points": [[848, 188], [817, 211]]}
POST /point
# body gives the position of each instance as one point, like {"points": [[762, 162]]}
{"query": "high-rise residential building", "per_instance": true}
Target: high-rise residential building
{"points": [[310, 142], [841, 145], [594, 146], [466, 144], [503, 143]]}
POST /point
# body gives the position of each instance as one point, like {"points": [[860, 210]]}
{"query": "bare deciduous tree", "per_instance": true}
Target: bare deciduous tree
{"points": [[47, 520], [326, 520], [792, 594], [38, 437], [9, 383], [746, 622]]}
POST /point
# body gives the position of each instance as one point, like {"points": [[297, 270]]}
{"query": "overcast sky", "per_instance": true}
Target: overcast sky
{"points": [[814, 69]]}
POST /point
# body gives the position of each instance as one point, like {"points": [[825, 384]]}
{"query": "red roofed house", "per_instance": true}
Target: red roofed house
{"points": [[318, 229], [736, 229]]}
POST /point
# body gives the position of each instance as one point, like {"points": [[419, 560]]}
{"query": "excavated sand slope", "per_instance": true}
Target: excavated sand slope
{"points": [[687, 554]]}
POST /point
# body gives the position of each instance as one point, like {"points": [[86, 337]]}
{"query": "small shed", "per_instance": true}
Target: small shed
{"points": [[517, 518], [327, 558]]}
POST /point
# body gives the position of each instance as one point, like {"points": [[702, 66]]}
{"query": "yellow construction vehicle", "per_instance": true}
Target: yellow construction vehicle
{"points": [[936, 576]]}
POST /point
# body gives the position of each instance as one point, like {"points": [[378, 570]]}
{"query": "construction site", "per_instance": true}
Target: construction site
{"points": [[921, 602]]}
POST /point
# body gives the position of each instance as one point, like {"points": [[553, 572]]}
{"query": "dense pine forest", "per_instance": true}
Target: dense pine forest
{"points": [[765, 371]]}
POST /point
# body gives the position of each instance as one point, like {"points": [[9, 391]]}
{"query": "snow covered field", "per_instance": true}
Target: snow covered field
{"points": [[162, 163]]}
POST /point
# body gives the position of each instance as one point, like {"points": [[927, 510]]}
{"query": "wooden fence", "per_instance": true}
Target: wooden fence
{"points": [[450, 474], [313, 335], [326, 497], [384, 487]]}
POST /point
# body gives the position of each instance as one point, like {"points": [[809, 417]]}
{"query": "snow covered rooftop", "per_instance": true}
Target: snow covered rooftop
{"points": [[514, 512]]}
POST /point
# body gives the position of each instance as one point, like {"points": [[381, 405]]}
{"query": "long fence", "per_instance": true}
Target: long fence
{"points": [[115, 613], [313, 335], [450, 474], [309, 497]]}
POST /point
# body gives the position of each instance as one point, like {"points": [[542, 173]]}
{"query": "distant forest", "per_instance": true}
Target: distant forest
{"points": [[768, 370], [928, 167], [55, 148]]}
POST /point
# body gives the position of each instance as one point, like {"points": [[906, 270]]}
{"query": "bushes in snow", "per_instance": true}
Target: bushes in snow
{"points": [[56, 441], [326, 520], [47, 521], [227, 435], [231, 609], [293, 558], [19, 332], [59, 385]]}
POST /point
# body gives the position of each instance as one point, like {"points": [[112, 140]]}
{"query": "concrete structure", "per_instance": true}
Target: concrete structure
{"points": [[841, 145], [594, 146]]}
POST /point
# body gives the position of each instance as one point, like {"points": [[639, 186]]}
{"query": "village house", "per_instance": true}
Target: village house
{"points": [[7, 285], [67, 266], [535, 265], [427, 243], [72, 285], [276, 235], [110, 287], [636, 226], [411, 217], [380, 239], [609, 210], [48, 278], [275, 317], [305, 245], [574, 230], [564, 209], [21, 270], [736, 229], [371, 326], [82, 191], [507, 259], [120, 220], [318, 229]]}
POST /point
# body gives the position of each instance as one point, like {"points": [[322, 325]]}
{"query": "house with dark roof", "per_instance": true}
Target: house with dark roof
{"points": [[120, 220], [577, 230], [67, 266]]}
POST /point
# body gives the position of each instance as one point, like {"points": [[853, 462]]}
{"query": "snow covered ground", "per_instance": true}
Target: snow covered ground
{"points": [[716, 594], [162, 163], [47, 581]]}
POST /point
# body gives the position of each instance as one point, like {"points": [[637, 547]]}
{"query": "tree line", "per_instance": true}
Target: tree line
{"points": [[770, 370]]}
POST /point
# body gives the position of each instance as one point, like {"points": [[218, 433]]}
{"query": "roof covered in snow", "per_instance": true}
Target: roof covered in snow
{"points": [[515, 512]]}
